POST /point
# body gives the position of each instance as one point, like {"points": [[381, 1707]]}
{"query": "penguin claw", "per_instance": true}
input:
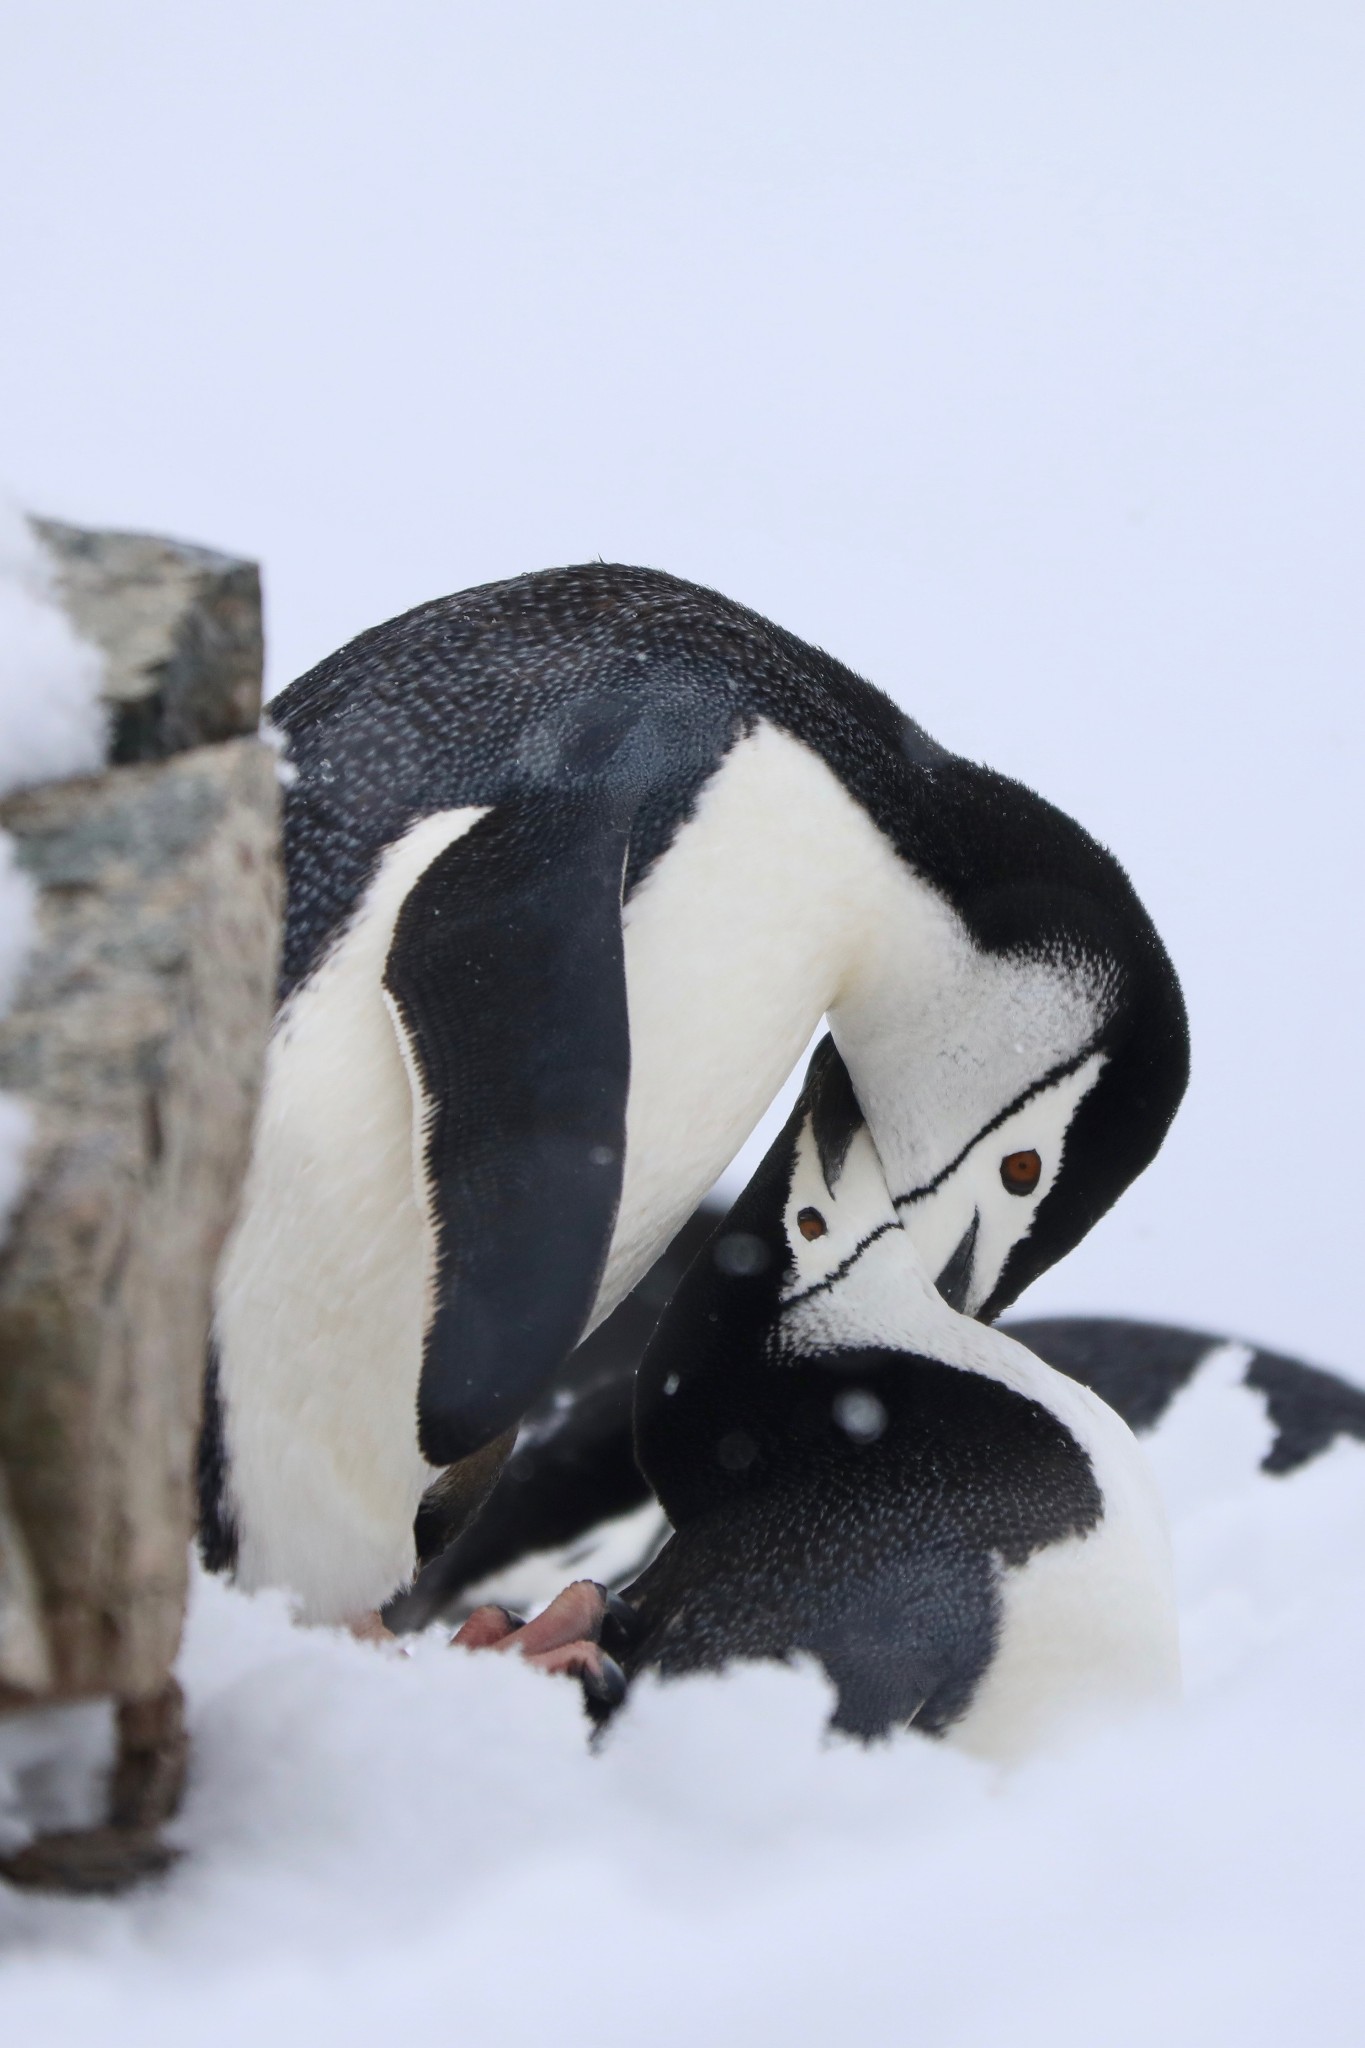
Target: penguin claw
{"points": [[573, 1617], [622, 1625], [604, 1684], [487, 1628], [371, 1628], [574, 1660]]}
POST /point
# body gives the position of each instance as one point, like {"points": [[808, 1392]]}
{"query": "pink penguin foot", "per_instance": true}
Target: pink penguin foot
{"points": [[564, 1638], [371, 1628]]}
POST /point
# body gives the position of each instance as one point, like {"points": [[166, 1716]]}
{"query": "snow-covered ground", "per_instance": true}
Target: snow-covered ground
{"points": [[384, 1846], [51, 725]]}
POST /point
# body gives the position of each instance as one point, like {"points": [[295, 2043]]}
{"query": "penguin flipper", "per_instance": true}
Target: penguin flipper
{"points": [[506, 981]]}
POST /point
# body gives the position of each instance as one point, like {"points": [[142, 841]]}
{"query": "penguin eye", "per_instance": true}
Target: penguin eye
{"points": [[811, 1223], [1021, 1172]]}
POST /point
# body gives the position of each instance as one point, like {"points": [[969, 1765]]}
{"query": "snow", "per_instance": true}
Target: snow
{"points": [[51, 725], [377, 1842], [54, 1769]]}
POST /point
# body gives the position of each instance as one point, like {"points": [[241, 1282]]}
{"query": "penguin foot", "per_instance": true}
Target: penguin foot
{"points": [[564, 1638], [371, 1628], [622, 1626], [488, 1628]]}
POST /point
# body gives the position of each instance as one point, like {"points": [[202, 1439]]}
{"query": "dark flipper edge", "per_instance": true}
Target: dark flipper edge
{"points": [[507, 976]]}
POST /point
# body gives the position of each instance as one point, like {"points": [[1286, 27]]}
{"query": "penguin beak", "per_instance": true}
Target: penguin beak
{"points": [[954, 1283]]}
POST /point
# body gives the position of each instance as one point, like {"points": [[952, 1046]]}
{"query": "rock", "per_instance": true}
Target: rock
{"points": [[153, 1756], [136, 1040], [135, 1043], [89, 1862], [180, 629], [25, 1663]]}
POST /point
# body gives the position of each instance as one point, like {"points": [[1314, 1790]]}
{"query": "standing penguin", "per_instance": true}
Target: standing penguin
{"points": [[966, 1540], [575, 864]]}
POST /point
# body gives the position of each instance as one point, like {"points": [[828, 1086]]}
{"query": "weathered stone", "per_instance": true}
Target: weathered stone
{"points": [[153, 1756], [89, 1861], [180, 629], [136, 1039], [25, 1663]]}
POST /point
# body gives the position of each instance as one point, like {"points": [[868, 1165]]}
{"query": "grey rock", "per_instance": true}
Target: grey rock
{"points": [[136, 1039], [25, 1661], [90, 1862], [180, 630]]}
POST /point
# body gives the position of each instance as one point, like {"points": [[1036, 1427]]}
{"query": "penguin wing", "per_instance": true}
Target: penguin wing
{"points": [[506, 980]]}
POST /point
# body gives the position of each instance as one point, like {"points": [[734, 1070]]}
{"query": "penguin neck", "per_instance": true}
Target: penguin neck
{"points": [[886, 1302], [780, 901]]}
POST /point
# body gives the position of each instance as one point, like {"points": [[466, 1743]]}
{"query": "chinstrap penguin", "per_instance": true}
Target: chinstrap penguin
{"points": [[572, 1499], [1142, 1370], [966, 1540], [575, 864]]}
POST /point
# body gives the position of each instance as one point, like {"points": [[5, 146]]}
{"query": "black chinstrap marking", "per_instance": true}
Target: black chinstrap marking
{"points": [[1026, 1095], [842, 1270]]}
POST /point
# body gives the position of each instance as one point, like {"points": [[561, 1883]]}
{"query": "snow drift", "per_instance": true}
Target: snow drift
{"points": [[380, 1842]]}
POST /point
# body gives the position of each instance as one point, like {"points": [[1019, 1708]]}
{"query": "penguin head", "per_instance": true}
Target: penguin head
{"points": [[982, 1224], [797, 1235], [1025, 1066], [812, 1263]]}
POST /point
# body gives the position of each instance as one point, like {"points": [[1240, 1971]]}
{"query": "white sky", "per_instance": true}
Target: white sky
{"points": [[1013, 353]]}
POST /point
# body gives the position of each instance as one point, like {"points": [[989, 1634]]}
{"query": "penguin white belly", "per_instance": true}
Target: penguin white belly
{"points": [[1087, 1625], [322, 1294]]}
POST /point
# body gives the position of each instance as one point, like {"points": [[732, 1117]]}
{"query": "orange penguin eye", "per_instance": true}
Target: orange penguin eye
{"points": [[1021, 1172], [811, 1223]]}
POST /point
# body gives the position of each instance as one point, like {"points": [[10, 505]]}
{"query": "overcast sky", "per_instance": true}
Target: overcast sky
{"points": [[1013, 352]]}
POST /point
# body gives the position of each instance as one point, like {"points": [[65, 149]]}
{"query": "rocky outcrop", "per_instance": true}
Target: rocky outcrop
{"points": [[135, 1042], [180, 631], [25, 1660]]}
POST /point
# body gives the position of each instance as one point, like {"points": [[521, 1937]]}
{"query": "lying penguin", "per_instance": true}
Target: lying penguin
{"points": [[966, 1540], [573, 1500], [575, 865], [1143, 1369]]}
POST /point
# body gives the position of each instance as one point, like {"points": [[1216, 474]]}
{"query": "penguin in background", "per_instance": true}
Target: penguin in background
{"points": [[575, 865]]}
